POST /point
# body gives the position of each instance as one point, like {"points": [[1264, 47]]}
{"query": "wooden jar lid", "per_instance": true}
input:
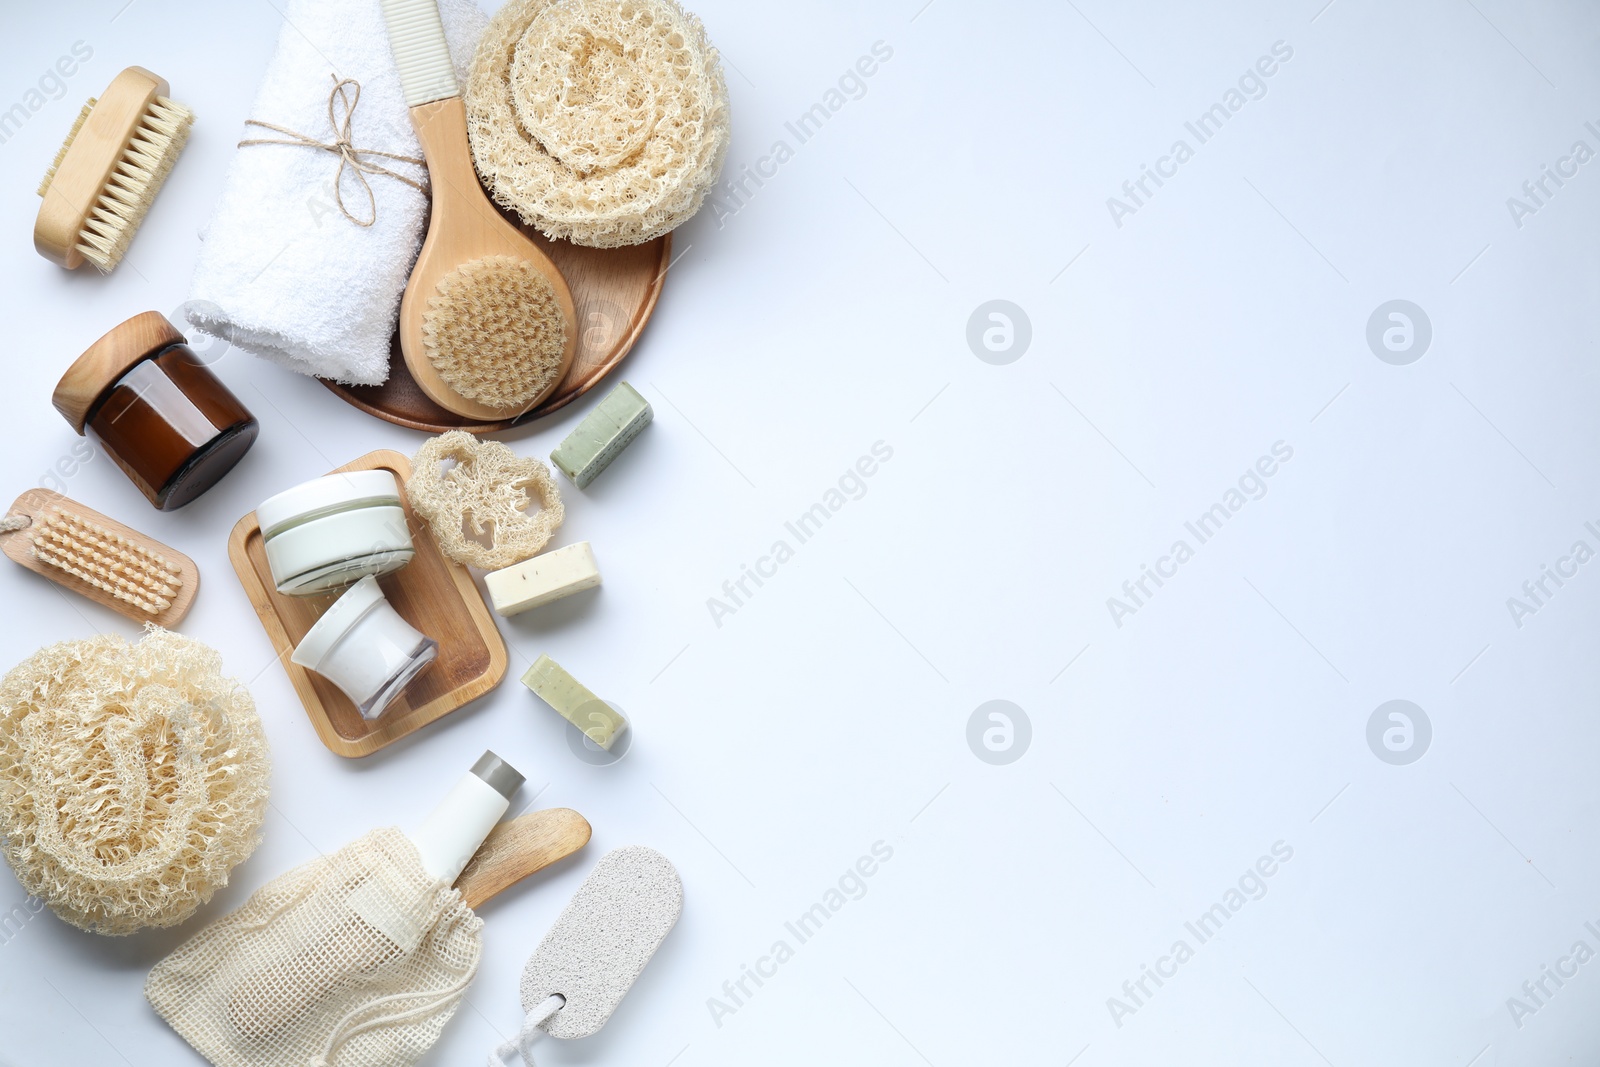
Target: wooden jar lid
{"points": [[107, 360]]}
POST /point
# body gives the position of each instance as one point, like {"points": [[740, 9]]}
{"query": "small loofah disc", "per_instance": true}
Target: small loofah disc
{"points": [[483, 497], [600, 122], [495, 332], [133, 779]]}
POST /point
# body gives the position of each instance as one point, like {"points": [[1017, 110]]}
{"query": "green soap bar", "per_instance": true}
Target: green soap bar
{"points": [[599, 721], [602, 435]]}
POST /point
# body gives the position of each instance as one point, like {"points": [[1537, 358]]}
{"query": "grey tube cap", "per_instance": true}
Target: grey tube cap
{"points": [[500, 775]]}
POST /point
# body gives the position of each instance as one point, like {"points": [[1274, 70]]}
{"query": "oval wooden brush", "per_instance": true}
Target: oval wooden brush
{"points": [[97, 557], [481, 292]]}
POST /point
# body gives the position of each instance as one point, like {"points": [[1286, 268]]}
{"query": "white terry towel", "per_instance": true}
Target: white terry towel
{"points": [[282, 273]]}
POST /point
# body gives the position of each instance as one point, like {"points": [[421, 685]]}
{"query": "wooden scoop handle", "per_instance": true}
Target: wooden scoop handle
{"points": [[519, 847]]}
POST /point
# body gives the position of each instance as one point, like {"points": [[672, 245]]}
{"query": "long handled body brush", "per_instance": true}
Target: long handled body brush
{"points": [[487, 325]]}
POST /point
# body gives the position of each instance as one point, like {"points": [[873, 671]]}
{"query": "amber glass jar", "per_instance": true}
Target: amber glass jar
{"points": [[160, 413]]}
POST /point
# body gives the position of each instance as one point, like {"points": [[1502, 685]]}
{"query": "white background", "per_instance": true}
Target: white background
{"points": [[830, 711]]}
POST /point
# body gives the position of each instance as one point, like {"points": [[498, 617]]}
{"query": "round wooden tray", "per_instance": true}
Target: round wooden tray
{"points": [[614, 289]]}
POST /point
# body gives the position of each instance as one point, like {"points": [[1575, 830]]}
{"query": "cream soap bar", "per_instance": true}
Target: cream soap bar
{"points": [[602, 435], [599, 721], [543, 579]]}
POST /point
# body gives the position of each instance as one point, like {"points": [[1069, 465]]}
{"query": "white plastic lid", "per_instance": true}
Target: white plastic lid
{"points": [[338, 547], [343, 614], [331, 491]]}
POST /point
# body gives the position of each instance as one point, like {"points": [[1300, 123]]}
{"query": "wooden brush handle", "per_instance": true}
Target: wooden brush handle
{"points": [[519, 847], [460, 211]]}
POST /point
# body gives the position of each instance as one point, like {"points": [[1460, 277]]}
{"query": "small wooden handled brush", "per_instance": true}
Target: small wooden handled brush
{"points": [[114, 565], [107, 174]]}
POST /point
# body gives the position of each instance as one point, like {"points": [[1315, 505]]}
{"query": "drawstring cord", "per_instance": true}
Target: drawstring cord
{"points": [[348, 1028], [523, 1042]]}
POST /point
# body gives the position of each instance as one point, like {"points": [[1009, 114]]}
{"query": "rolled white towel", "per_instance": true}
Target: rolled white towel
{"points": [[282, 272]]}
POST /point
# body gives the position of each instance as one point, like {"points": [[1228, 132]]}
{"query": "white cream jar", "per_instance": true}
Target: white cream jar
{"points": [[363, 646], [326, 533]]}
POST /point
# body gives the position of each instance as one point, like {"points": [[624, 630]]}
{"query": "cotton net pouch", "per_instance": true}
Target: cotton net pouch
{"points": [[357, 959]]}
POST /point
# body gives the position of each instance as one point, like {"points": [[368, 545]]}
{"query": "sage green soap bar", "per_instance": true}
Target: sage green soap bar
{"points": [[602, 435], [599, 721]]}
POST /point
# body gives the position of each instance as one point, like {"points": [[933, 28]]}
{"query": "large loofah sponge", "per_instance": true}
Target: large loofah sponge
{"points": [[601, 122], [495, 332], [477, 506], [133, 779]]}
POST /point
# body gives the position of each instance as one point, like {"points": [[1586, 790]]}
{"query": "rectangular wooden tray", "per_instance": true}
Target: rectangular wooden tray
{"points": [[432, 593]]}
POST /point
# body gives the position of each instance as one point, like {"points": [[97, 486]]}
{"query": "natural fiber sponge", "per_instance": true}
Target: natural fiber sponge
{"points": [[495, 332], [601, 122], [477, 506], [133, 779]]}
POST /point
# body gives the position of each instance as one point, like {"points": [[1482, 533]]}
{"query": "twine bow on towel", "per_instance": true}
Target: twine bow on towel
{"points": [[349, 155]]}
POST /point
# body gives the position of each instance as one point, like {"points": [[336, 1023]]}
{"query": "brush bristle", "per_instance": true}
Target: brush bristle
{"points": [[134, 182], [495, 332], [107, 561], [50, 175]]}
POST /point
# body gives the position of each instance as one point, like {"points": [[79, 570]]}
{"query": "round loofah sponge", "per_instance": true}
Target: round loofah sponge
{"points": [[133, 779], [477, 506], [601, 122], [495, 332]]}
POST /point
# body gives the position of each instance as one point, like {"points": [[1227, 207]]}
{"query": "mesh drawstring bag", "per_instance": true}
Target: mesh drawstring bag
{"points": [[357, 959]]}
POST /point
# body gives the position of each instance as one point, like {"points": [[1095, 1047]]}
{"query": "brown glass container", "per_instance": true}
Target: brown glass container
{"points": [[160, 413]]}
